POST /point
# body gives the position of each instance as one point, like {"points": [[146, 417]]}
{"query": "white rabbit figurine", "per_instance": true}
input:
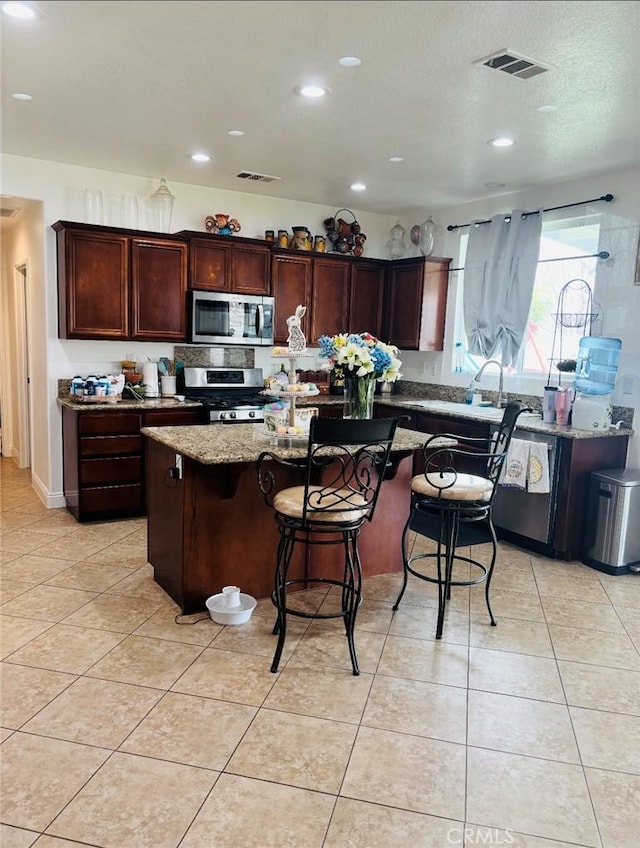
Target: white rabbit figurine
{"points": [[297, 341]]}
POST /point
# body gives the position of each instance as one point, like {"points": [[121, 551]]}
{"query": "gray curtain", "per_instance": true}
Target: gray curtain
{"points": [[499, 273]]}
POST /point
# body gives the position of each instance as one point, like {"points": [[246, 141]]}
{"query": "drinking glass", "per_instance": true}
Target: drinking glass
{"points": [[129, 212], [93, 207]]}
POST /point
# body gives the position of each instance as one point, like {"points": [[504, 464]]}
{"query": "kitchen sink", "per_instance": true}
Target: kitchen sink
{"points": [[466, 410]]}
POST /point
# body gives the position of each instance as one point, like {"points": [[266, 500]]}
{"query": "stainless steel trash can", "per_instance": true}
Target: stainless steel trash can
{"points": [[612, 536]]}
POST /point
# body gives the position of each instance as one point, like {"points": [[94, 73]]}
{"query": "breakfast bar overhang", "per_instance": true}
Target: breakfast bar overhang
{"points": [[208, 525]]}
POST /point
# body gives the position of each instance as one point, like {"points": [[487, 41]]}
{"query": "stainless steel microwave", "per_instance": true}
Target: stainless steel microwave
{"points": [[239, 319]]}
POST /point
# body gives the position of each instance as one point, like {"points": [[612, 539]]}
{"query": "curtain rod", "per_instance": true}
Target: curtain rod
{"points": [[604, 254], [606, 197]]}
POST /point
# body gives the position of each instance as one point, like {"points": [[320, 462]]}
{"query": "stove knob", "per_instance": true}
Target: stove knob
{"points": [[232, 415], [252, 413], [222, 416]]}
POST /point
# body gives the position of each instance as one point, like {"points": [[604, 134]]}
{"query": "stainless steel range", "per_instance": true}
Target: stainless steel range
{"points": [[231, 395]]}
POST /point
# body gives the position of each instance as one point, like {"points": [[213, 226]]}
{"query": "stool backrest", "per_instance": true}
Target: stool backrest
{"points": [[502, 437], [442, 464], [346, 463]]}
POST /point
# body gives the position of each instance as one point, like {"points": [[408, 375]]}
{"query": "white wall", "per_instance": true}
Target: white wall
{"points": [[617, 297], [60, 188]]}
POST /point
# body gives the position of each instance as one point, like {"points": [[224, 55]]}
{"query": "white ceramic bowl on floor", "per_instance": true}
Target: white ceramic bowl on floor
{"points": [[230, 615]]}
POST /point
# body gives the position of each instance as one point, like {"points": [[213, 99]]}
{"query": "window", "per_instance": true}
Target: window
{"points": [[547, 340]]}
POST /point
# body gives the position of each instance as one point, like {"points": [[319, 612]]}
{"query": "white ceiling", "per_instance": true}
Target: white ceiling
{"points": [[135, 87]]}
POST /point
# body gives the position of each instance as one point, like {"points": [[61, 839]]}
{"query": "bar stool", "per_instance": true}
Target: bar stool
{"points": [[453, 507], [343, 471]]}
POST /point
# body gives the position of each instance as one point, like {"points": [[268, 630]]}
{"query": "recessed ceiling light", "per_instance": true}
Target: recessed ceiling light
{"points": [[349, 61], [358, 187], [547, 108], [313, 91], [235, 132], [501, 141], [200, 157], [20, 96], [24, 11], [396, 159]]}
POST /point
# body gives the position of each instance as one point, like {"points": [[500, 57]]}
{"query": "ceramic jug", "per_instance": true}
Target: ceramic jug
{"points": [[301, 239]]}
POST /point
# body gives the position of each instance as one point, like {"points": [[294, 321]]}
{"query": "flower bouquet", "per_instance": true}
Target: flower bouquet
{"points": [[361, 360]]}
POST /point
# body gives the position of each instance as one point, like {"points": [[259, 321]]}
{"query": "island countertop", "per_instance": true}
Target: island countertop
{"points": [[219, 444]]}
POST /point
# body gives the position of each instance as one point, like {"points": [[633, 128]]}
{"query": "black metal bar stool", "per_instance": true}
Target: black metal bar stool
{"points": [[453, 507], [343, 472]]}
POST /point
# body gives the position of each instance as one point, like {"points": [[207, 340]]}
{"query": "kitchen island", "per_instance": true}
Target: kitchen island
{"points": [[208, 525]]}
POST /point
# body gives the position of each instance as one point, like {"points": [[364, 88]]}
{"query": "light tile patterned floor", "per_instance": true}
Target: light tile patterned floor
{"points": [[122, 729]]}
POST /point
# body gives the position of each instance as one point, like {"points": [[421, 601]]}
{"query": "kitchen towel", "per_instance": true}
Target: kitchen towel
{"points": [[514, 470], [538, 471]]}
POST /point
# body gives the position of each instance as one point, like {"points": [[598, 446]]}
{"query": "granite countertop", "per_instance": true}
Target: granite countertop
{"points": [[119, 406], [531, 422], [218, 444]]}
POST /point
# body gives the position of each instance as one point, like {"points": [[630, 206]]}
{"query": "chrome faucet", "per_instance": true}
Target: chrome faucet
{"points": [[501, 396]]}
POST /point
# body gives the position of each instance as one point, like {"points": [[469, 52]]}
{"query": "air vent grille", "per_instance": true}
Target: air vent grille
{"points": [[513, 64], [256, 178]]}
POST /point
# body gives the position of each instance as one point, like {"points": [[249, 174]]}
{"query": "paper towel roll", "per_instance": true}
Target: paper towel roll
{"points": [[150, 379]]}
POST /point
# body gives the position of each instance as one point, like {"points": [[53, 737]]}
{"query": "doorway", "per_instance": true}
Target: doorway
{"points": [[16, 380]]}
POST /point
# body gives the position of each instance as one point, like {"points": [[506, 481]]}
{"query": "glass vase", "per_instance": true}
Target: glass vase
{"points": [[358, 397]]}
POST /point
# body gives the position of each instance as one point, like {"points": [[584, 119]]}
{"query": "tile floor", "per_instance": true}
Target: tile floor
{"points": [[123, 729]]}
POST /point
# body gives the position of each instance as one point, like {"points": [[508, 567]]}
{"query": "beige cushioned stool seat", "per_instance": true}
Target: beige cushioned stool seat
{"points": [[291, 502], [452, 487]]}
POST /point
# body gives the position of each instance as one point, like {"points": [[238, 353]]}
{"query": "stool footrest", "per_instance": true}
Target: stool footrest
{"points": [[306, 580], [456, 558]]}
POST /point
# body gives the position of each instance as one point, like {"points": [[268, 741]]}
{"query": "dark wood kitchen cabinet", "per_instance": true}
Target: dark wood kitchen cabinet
{"points": [[120, 284], [291, 278], [103, 458], [416, 300], [228, 264], [158, 290], [342, 294], [330, 282], [93, 283], [366, 297]]}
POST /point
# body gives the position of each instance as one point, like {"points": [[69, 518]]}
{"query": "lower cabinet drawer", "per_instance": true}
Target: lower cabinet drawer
{"points": [[120, 469], [110, 445], [109, 422], [173, 417], [112, 498]]}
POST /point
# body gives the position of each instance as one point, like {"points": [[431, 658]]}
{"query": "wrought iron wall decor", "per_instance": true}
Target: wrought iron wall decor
{"points": [[345, 237]]}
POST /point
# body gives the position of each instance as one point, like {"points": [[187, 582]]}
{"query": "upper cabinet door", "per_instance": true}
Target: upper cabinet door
{"points": [[93, 285], [416, 300], [250, 269], [210, 265], [330, 302], [434, 303], [158, 289], [367, 291], [404, 301], [291, 277]]}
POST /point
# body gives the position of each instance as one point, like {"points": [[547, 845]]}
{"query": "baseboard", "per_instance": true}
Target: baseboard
{"points": [[52, 500]]}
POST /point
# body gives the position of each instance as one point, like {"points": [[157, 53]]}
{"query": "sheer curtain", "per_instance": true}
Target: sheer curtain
{"points": [[499, 273]]}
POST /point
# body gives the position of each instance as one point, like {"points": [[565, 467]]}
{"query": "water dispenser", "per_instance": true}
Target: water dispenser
{"points": [[596, 370]]}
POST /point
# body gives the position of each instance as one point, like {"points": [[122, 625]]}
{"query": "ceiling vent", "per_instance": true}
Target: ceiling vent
{"points": [[8, 213], [256, 178], [513, 64]]}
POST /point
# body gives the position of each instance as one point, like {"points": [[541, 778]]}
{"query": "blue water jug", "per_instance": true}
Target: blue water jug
{"points": [[597, 365]]}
